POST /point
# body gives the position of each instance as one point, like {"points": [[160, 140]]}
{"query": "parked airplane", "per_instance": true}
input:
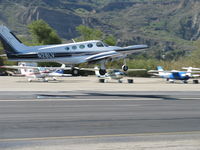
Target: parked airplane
{"points": [[33, 72], [173, 75], [70, 54], [114, 74]]}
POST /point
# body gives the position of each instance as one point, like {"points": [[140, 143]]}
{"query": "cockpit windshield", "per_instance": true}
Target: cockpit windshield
{"points": [[106, 45], [99, 44]]}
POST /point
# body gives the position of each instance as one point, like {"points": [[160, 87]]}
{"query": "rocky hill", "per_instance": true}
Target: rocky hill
{"points": [[169, 27]]}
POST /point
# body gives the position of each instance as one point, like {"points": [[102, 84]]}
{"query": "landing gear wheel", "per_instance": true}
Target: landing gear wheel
{"points": [[102, 72], [185, 82], [125, 68], [29, 80], [75, 72], [45, 80], [120, 81]]}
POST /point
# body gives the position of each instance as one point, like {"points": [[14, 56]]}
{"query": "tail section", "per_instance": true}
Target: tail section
{"points": [[24, 64], [160, 70], [189, 71], [96, 69], [23, 71], [11, 43], [63, 66]]}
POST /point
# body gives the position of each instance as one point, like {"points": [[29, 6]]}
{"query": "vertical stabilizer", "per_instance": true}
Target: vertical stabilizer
{"points": [[23, 71], [96, 69], [160, 70], [11, 43], [189, 71]]}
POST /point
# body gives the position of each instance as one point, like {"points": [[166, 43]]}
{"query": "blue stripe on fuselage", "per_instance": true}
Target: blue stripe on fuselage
{"points": [[179, 76]]}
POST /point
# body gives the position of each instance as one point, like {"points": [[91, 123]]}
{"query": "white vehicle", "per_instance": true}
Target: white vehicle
{"points": [[32, 72], [69, 54]]}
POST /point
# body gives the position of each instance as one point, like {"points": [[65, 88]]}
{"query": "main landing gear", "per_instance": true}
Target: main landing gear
{"points": [[102, 72], [75, 71], [125, 67]]}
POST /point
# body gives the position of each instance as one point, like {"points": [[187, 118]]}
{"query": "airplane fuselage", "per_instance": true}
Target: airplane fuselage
{"points": [[73, 53], [175, 76]]}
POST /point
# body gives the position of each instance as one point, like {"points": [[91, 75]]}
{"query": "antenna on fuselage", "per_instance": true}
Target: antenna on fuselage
{"points": [[73, 40]]}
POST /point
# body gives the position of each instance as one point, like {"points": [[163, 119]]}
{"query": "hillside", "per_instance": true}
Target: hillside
{"points": [[169, 27]]}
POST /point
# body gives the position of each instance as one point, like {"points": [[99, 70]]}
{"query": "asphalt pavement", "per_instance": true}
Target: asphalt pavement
{"points": [[92, 119], [64, 114]]}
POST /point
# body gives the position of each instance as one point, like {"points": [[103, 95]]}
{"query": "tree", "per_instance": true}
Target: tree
{"points": [[43, 34], [87, 33], [1, 52], [110, 40]]}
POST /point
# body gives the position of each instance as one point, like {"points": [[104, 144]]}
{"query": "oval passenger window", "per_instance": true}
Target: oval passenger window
{"points": [[74, 47], [82, 46], [90, 45]]}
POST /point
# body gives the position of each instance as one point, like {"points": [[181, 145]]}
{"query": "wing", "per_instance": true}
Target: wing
{"points": [[191, 68], [103, 55], [132, 49], [19, 67], [136, 69], [97, 69], [118, 52], [3, 55]]}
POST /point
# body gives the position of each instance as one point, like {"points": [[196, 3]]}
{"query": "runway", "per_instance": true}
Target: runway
{"points": [[97, 119], [27, 116]]}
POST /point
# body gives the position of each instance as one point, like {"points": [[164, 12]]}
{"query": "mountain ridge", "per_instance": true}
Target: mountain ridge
{"points": [[165, 25]]}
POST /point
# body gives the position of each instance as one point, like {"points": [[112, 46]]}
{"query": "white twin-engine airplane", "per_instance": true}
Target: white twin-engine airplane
{"points": [[69, 54]]}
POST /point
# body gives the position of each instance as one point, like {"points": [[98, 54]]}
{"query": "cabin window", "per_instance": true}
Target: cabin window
{"points": [[90, 45], [99, 44], [74, 47], [82, 46], [106, 45], [67, 48]]}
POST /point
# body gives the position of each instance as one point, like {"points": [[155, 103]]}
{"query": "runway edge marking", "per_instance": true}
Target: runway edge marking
{"points": [[97, 136]]}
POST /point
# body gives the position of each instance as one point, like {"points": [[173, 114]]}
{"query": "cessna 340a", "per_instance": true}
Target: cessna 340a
{"points": [[69, 54]]}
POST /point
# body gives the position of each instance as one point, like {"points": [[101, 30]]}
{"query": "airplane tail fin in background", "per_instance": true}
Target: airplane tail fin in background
{"points": [[189, 71], [23, 71], [63, 66], [96, 69], [11, 43], [160, 69]]}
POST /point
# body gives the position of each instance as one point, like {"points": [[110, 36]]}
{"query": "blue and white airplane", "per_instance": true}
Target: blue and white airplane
{"points": [[173, 75], [69, 54]]}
